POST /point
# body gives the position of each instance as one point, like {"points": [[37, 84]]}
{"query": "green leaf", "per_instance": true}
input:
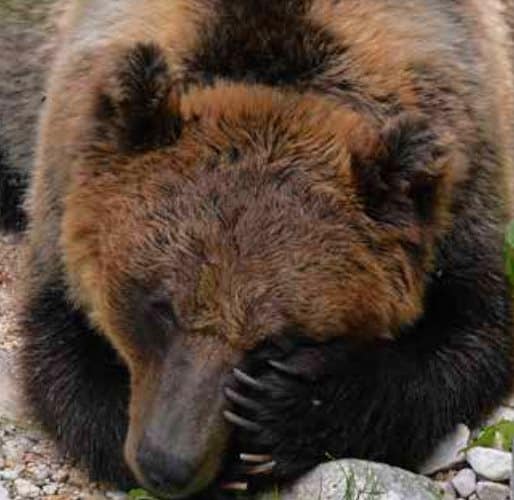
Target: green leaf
{"points": [[141, 495], [498, 436]]}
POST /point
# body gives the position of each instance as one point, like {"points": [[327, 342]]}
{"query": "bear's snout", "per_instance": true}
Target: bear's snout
{"points": [[163, 469], [177, 435]]}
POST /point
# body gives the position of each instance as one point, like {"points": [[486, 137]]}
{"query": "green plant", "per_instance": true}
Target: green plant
{"points": [[499, 435], [141, 494], [354, 492]]}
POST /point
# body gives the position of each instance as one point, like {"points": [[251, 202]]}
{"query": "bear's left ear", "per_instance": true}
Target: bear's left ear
{"points": [[403, 176], [137, 108]]}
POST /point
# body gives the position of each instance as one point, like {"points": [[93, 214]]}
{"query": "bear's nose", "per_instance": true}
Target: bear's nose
{"points": [[162, 470]]}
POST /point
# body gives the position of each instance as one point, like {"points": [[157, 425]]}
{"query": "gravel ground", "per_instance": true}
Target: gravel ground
{"points": [[30, 466]]}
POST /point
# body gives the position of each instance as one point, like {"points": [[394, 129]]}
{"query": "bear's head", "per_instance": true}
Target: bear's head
{"points": [[203, 221]]}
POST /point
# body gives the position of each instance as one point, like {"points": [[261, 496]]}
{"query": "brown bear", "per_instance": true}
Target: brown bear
{"points": [[264, 233]]}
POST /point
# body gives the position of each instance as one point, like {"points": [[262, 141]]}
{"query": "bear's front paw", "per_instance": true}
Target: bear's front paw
{"points": [[280, 412]]}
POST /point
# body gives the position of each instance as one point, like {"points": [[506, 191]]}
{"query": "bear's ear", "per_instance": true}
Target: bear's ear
{"points": [[137, 108], [403, 175]]}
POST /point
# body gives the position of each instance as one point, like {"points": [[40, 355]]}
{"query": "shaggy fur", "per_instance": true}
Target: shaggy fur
{"points": [[313, 191]]}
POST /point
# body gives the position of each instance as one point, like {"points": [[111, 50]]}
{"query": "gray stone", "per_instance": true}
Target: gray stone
{"points": [[26, 489], [449, 451], [358, 479], [492, 491], [4, 494], [489, 463], [465, 482]]}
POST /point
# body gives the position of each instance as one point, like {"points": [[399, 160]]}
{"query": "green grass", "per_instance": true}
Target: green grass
{"points": [[141, 494], [499, 436], [353, 491]]}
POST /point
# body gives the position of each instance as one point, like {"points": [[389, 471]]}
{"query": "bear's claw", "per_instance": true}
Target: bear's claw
{"points": [[242, 422], [283, 368], [255, 470], [247, 380], [255, 459], [242, 401], [235, 486]]}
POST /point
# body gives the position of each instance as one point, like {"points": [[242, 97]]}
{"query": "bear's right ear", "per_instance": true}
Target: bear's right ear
{"points": [[137, 109], [407, 172]]}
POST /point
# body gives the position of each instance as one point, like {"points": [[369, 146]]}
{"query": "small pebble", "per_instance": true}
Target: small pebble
{"points": [[489, 463], [447, 490], [4, 494], [26, 489], [9, 474], [50, 489], [465, 482], [492, 491]]}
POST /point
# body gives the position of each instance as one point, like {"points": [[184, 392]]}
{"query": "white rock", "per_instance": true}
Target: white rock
{"points": [[116, 495], [489, 463], [367, 480], [26, 489], [492, 491], [9, 474], [50, 489], [448, 453], [4, 494], [465, 482]]}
